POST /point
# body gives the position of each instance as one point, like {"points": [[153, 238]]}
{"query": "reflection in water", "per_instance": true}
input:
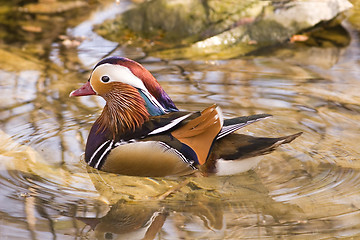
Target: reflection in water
{"points": [[304, 190]]}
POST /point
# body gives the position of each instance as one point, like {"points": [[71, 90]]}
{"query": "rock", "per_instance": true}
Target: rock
{"points": [[300, 14], [216, 29], [52, 7], [354, 17], [164, 24]]}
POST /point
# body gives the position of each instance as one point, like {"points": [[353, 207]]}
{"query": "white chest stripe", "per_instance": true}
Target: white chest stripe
{"points": [[103, 155], [100, 148], [118, 73]]}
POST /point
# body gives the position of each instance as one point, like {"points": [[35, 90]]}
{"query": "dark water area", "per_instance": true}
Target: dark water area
{"points": [[304, 190]]}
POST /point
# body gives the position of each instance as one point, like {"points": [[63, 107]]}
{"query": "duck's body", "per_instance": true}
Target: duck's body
{"points": [[141, 132]]}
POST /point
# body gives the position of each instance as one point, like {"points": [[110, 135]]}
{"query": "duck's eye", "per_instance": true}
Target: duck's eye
{"points": [[105, 78]]}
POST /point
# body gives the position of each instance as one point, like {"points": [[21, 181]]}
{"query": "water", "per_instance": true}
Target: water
{"points": [[306, 189]]}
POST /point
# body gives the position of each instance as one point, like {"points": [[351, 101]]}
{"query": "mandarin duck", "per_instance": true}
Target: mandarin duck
{"points": [[141, 132]]}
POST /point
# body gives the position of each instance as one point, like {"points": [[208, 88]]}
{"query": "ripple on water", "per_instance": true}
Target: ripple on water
{"points": [[26, 179], [326, 194]]}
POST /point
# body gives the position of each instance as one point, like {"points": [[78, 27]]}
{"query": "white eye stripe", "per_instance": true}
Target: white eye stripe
{"points": [[118, 73]]}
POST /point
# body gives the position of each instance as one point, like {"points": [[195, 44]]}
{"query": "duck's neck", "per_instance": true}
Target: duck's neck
{"points": [[124, 112]]}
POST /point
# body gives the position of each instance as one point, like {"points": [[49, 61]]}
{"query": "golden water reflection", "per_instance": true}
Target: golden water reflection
{"points": [[307, 189]]}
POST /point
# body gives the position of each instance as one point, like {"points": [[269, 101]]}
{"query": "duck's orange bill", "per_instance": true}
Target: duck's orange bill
{"points": [[85, 90]]}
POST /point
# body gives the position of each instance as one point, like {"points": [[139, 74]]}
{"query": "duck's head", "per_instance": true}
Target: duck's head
{"points": [[116, 75], [128, 88]]}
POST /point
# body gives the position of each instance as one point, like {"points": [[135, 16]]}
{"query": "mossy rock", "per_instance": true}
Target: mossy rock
{"points": [[216, 29]]}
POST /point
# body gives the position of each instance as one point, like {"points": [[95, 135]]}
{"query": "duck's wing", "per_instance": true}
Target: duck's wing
{"points": [[234, 124], [237, 153], [160, 124], [240, 146], [200, 133]]}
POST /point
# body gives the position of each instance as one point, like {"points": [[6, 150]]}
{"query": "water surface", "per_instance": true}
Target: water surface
{"points": [[306, 189]]}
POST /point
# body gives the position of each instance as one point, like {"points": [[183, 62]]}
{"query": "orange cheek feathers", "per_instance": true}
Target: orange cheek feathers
{"points": [[99, 87]]}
